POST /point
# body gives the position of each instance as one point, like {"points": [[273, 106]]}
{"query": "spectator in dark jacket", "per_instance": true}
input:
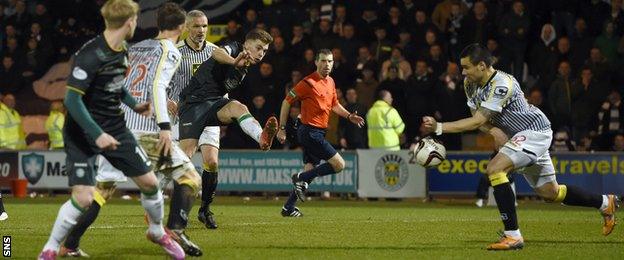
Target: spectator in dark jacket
{"points": [[420, 89], [513, 29], [351, 136], [560, 97]]}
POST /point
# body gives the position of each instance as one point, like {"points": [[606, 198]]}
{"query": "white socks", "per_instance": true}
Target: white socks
{"points": [[153, 205], [513, 233], [250, 126], [65, 220], [605, 202]]}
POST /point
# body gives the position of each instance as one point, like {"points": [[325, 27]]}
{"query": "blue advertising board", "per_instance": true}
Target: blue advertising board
{"points": [[271, 171], [595, 172]]}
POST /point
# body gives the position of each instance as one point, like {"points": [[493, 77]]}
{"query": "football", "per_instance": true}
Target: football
{"points": [[429, 152]]}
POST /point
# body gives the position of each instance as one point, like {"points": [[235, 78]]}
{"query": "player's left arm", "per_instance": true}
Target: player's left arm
{"points": [[164, 73], [342, 112], [496, 100]]}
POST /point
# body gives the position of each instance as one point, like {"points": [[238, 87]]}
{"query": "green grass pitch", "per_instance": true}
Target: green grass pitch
{"points": [[330, 230]]}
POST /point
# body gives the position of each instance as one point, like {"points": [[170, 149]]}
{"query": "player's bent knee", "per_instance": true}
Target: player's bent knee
{"points": [[551, 192], [211, 166], [83, 197]]}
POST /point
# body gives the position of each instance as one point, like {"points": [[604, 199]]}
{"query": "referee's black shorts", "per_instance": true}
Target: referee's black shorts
{"points": [[315, 147]]}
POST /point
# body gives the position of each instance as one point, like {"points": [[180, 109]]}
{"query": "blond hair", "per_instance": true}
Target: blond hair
{"points": [[117, 12]]}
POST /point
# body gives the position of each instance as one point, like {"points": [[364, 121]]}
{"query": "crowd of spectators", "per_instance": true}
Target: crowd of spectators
{"points": [[567, 55]]}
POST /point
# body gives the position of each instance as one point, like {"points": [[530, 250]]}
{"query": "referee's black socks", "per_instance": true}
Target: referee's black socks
{"points": [[321, 170], [505, 199]]}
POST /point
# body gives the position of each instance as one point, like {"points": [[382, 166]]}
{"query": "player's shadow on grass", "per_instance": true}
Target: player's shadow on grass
{"points": [[412, 247], [133, 252], [549, 242]]}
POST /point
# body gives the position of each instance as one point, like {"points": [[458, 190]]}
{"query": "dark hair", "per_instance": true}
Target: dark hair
{"points": [[477, 53], [259, 34], [324, 52], [170, 16]]}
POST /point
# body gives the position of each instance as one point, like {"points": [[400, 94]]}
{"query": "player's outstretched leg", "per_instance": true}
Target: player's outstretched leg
{"points": [[3, 214], [235, 111], [575, 196], [68, 215]]}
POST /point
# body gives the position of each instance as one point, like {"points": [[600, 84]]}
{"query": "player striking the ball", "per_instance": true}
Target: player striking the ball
{"points": [[202, 102], [498, 106]]}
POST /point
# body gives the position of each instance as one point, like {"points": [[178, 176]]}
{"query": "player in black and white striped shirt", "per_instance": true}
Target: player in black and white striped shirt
{"points": [[499, 107], [196, 50]]}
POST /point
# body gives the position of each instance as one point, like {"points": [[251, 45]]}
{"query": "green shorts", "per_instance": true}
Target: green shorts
{"points": [[81, 152]]}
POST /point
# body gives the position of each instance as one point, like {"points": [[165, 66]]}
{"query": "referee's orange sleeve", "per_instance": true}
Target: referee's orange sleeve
{"points": [[295, 93]]}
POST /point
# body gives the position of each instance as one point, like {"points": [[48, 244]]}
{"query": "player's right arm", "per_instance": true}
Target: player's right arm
{"points": [[221, 55], [84, 69], [293, 95]]}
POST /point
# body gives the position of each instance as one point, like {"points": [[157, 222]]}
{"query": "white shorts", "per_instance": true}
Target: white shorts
{"points": [[528, 150], [210, 136], [175, 168]]}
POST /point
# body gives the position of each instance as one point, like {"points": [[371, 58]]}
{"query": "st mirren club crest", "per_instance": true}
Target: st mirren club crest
{"points": [[32, 167], [391, 172]]}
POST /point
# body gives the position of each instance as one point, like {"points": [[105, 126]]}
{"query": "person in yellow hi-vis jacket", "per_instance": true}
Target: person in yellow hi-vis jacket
{"points": [[54, 125], [384, 124], [12, 134]]}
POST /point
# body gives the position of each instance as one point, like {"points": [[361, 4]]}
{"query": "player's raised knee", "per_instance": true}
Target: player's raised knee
{"points": [[106, 189]]}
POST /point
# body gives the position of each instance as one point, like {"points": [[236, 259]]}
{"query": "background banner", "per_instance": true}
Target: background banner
{"points": [[595, 172], [271, 171], [390, 174]]}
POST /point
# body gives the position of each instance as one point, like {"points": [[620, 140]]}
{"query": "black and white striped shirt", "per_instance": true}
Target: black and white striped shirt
{"points": [[152, 65], [191, 60], [503, 95]]}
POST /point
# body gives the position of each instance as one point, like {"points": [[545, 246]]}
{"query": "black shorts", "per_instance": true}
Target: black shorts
{"points": [[315, 147], [129, 158], [197, 115]]}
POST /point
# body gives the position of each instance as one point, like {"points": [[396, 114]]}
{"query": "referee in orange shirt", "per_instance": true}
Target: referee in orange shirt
{"points": [[317, 93]]}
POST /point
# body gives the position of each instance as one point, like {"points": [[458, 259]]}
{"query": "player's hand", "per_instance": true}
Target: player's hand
{"points": [[172, 107], [358, 120], [429, 124], [164, 142], [106, 142], [242, 60], [281, 136], [144, 109]]}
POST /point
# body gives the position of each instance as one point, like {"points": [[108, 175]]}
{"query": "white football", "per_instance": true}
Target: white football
{"points": [[429, 152]]}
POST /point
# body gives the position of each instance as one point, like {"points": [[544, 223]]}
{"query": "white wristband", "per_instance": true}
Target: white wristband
{"points": [[438, 129]]}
